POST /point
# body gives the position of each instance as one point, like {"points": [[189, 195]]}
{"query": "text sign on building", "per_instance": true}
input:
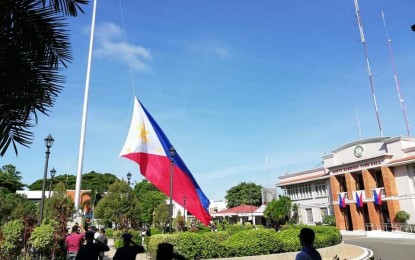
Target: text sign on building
{"points": [[357, 167]]}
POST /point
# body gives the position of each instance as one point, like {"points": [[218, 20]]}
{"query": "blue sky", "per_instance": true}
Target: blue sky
{"points": [[229, 82]]}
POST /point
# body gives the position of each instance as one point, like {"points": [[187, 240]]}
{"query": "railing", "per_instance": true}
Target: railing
{"points": [[410, 228]]}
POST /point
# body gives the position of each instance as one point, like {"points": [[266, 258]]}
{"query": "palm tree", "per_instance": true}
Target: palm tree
{"points": [[34, 45]]}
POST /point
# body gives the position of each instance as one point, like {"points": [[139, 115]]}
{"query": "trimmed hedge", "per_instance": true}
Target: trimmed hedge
{"points": [[241, 243]]}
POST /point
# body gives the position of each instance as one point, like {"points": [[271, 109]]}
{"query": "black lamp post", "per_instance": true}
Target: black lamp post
{"points": [[172, 154], [413, 27], [52, 174], [48, 142], [129, 178]]}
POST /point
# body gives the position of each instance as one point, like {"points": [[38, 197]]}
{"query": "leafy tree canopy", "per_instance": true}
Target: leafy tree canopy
{"points": [[161, 216], [98, 182], [149, 197], [119, 205], [10, 179], [244, 193], [278, 210], [8, 203]]}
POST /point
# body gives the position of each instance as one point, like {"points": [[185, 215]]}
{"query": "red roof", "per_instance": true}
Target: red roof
{"points": [[239, 209]]}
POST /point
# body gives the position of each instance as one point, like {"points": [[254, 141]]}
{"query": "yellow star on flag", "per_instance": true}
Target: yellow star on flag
{"points": [[142, 133]]}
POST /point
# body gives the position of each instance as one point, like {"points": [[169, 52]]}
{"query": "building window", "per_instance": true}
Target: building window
{"points": [[309, 215], [324, 212], [320, 188]]}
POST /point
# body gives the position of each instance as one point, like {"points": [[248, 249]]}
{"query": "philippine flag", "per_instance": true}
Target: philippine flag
{"points": [[377, 196], [342, 201], [148, 146], [359, 200]]}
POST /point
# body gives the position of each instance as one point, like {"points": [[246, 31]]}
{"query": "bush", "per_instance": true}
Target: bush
{"points": [[402, 216], [109, 232], [253, 242], [43, 238], [241, 243], [329, 220], [12, 242]]}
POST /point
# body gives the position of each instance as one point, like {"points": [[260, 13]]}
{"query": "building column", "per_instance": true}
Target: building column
{"points": [[358, 221], [390, 190], [338, 213], [374, 214]]}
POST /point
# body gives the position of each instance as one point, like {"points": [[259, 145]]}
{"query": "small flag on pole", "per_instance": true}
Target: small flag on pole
{"points": [[359, 200], [148, 146], [377, 196], [342, 200]]}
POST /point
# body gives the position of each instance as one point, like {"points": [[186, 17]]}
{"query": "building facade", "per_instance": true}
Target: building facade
{"points": [[366, 183], [310, 190]]}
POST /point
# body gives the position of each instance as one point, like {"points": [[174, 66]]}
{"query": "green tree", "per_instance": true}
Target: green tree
{"points": [[59, 208], [10, 179], [178, 222], [149, 197], [26, 211], [34, 46], [8, 202], [99, 182], [295, 217], [244, 193], [278, 211], [118, 205], [161, 216]]}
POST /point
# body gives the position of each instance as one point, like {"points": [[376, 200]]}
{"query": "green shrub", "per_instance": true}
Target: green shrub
{"points": [[253, 242], [43, 237], [402, 216], [242, 242], [329, 220], [12, 242], [109, 232]]}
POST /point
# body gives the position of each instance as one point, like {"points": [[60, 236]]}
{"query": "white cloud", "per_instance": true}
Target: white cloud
{"points": [[111, 44], [210, 47]]}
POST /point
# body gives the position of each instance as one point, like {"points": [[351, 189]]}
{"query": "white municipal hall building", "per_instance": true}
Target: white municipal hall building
{"points": [[363, 183]]}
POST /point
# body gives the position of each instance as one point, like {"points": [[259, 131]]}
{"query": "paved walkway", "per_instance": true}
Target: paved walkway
{"points": [[343, 251]]}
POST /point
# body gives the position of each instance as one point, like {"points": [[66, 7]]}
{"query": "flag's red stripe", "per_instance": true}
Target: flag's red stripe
{"points": [[156, 169]]}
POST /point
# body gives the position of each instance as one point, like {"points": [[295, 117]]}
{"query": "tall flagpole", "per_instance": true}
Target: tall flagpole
{"points": [[84, 115]]}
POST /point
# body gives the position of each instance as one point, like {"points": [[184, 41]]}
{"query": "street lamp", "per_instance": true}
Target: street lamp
{"points": [[52, 174], [129, 178], [48, 142], [172, 154]]}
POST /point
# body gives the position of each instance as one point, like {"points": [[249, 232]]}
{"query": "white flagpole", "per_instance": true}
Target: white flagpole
{"points": [[84, 116]]}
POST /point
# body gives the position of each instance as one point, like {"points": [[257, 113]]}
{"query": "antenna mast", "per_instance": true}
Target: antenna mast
{"points": [[358, 125], [362, 37], [403, 107]]}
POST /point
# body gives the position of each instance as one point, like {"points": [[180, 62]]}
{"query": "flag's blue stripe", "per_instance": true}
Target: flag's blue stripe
{"points": [[375, 197], [176, 159]]}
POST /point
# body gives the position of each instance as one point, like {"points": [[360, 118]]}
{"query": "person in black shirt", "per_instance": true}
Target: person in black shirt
{"points": [[129, 250], [90, 250]]}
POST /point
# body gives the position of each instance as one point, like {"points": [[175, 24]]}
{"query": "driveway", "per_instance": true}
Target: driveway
{"points": [[385, 248]]}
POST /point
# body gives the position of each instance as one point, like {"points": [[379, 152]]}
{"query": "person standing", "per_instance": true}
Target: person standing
{"points": [[103, 239], [129, 250], [73, 242], [90, 250], [308, 251]]}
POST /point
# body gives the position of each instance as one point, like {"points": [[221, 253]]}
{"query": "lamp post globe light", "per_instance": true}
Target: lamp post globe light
{"points": [[48, 143], [129, 178], [52, 174], [172, 154]]}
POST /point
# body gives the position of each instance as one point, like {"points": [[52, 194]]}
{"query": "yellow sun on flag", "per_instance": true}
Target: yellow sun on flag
{"points": [[143, 133]]}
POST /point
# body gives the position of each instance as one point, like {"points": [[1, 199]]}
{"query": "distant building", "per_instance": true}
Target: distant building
{"points": [[310, 191], [268, 195], [36, 196], [242, 214], [364, 183]]}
